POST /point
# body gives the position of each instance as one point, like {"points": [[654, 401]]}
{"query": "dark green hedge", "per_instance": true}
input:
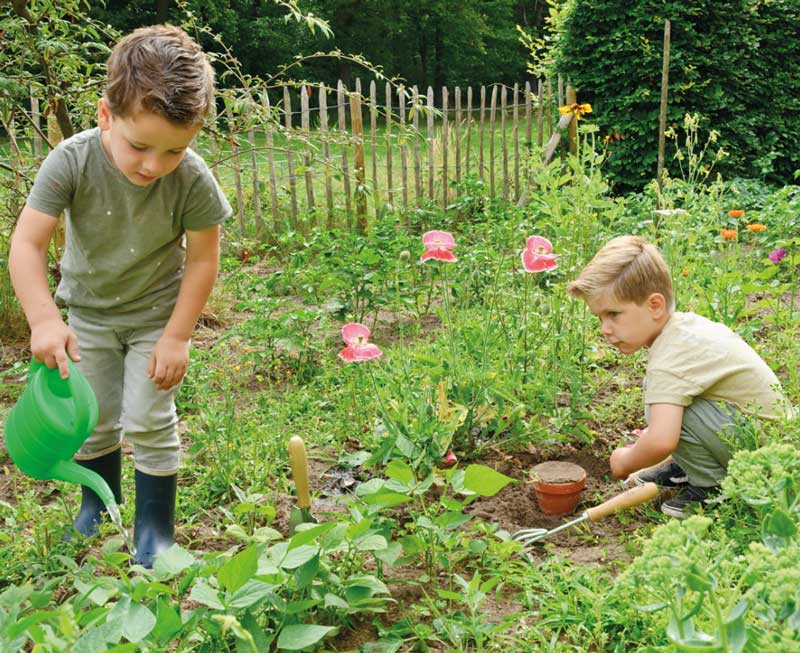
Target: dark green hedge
{"points": [[735, 62]]}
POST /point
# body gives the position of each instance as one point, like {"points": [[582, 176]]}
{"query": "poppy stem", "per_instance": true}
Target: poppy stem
{"points": [[525, 329], [449, 320]]}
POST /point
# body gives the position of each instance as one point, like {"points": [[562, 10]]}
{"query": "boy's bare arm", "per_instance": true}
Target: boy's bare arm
{"points": [[657, 441], [170, 357], [51, 339]]}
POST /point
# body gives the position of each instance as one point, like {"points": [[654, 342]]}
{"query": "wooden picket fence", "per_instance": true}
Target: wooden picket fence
{"points": [[325, 163]]}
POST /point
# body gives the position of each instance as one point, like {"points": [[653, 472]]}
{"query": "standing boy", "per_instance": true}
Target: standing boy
{"points": [[701, 377], [143, 216]]}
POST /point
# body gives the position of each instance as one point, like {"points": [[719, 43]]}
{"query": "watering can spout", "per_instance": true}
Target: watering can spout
{"points": [[71, 472]]}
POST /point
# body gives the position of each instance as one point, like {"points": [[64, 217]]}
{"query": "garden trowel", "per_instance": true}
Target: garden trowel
{"points": [[301, 513]]}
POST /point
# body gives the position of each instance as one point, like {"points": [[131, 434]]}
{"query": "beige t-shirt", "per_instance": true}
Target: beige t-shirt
{"points": [[695, 357]]}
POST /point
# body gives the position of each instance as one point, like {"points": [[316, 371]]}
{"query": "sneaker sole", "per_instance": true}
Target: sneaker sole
{"points": [[677, 513], [681, 482]]}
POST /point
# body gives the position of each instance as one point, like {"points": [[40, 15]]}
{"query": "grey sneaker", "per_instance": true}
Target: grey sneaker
{"points": [[689, 499], [667, 475]]}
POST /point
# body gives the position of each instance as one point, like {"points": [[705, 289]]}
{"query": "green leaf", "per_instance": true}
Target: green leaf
{"points": [[168, 621], [299, 556], [300, 636], [308, 535], [485, 481], [239, 569], [203, 593], [399, 471], [172, 562], [138, 622]]}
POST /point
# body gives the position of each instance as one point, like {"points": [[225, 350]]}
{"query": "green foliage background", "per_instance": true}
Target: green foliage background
{"points": [[735, 62]]}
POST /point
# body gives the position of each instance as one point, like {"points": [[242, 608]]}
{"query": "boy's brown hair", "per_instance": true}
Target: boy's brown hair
{"points": [[628, 267], [162, 70]]}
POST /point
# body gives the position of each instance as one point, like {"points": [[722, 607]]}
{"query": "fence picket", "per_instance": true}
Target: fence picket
{"points": [[504, 140], [343, 134], [305, 123], [389, 182], [417, 167], [358, 162], [540, 114], [237, 175], [483, 129], [373, 140], [515, 138], [326, 151], [430, 142], [257, 216], [445, 138], [273, 184], [458, 140], [492, 112], [401, 108], [469, 129], [287, 113], [37, 127]]}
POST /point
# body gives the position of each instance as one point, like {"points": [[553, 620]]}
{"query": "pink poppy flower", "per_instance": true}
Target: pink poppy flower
{"points": [[777, 255], [450, 459], [356, 337], [538, 255], [438, 245]]}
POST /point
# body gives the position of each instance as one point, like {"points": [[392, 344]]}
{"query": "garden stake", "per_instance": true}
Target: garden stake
{"points": [[301, 513], [627, 499]]}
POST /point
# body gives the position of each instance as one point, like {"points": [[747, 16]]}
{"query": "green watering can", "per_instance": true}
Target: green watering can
{"points": [[49, 423]]}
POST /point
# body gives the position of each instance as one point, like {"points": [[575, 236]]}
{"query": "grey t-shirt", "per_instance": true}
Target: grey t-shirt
{"points": [[125, 252]]}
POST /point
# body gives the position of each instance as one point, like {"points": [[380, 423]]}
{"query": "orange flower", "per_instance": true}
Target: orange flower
{"points": [[685, 273], [728, 234], [736, 213], [756, 227]]}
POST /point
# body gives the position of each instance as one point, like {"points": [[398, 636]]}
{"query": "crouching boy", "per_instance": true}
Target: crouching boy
{"points": [[701, 377]]}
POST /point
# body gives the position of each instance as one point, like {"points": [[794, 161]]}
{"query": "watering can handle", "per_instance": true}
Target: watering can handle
{"points": [[627, 499]]}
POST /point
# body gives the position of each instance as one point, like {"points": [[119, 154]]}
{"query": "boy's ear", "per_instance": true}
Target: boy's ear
{"points": [[657, 304], [103, 114]]}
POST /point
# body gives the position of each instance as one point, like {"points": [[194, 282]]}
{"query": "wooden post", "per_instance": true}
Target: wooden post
{"points": [[662, 116], [445, 137], [515, 138], [306, 126], [481, 167], [560, 91], [35, 118], [361, 189], [430, 143], [504, 140], [528, 117], [326, 151], [373, 140], [458, 139], [540, 114], [549, 108], [342, 134], [492, 112], [389, 182], [469, 129], [417, 167], [572, 98], [287, 115], [212, 140], [259, 218], [273, 184], [401, 108], [237, 175]]}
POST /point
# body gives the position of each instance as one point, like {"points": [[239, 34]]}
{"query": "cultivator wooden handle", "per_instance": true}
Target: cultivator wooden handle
{"points": [[299, 463], [627, 499]]}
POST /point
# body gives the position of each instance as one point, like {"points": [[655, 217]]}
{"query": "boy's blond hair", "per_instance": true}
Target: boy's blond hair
{"points": [[629, 268], [162, 70]]}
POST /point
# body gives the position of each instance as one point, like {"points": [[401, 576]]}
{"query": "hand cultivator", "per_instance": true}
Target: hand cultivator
{"points": [[301, 513], [627, 499]]}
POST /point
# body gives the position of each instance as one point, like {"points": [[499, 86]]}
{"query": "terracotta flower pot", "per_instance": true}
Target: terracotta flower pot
{"points": [[558, 486]]}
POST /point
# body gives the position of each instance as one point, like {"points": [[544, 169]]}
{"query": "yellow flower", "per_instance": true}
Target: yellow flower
{"points": [[728, 234], [756, 227], [577, 110]]}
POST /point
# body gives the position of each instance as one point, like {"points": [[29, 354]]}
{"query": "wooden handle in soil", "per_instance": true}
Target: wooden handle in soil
{"points": [[299, 464], [627, 499]]}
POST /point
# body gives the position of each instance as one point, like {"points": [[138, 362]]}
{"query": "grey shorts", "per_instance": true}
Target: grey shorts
{"points": [[115, 360], [704, 448]]}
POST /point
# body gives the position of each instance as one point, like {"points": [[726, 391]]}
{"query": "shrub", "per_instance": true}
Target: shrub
{"points": [[735, 62]]}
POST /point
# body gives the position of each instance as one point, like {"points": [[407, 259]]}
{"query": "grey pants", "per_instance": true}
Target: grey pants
{"points": [[701, 453], [115, 361]]}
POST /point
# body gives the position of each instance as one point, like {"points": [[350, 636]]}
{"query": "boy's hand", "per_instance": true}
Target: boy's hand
{"points": [[618, 462], [169, 362], [51, 342]]}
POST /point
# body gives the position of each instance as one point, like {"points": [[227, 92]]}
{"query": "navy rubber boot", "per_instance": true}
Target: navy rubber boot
{"points": [[109, 467], [154, 526]]}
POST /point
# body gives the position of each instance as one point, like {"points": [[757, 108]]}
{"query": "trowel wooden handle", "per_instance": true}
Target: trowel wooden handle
{"points": [[299, 464], [627, 499]]}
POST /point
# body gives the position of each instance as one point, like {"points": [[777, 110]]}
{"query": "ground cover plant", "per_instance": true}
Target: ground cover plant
{"points": [[429, 363]]}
